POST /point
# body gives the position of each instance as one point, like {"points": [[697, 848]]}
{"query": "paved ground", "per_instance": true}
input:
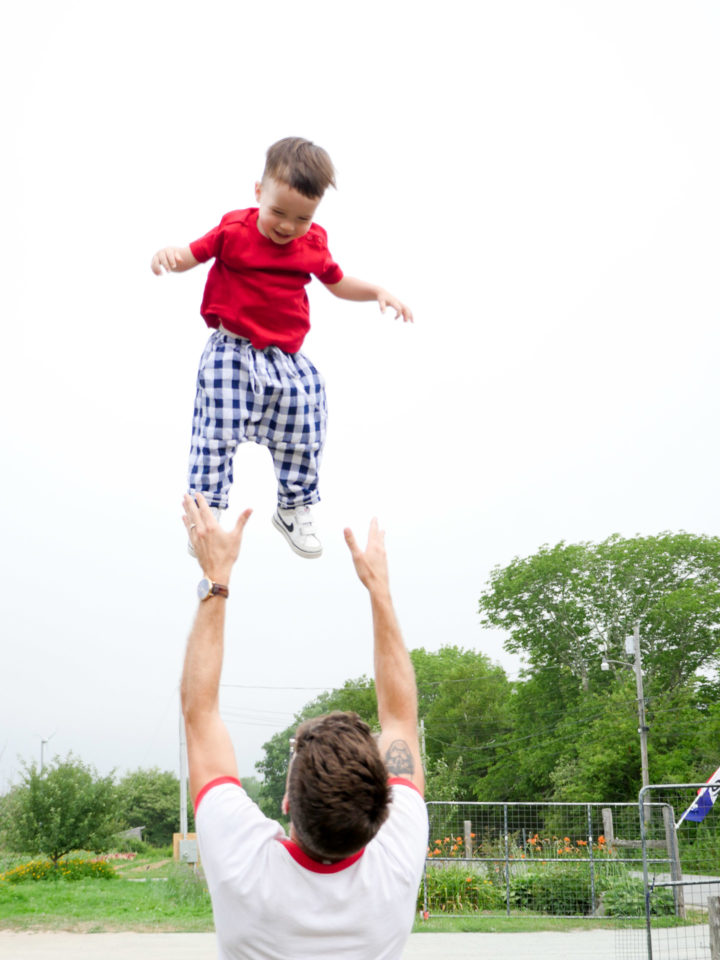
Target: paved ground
{"points": [[588, 945]]}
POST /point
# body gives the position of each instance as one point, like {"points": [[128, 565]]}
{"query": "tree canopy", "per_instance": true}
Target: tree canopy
{"points": [[567, 729], [567, 605], [150, 798], [66, 806]]}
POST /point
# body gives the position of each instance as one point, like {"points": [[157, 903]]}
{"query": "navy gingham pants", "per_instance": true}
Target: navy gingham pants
{"points": [[268, 396]]}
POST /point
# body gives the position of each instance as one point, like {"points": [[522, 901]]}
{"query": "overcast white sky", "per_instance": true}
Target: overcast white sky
{"points": [[538, 180]]}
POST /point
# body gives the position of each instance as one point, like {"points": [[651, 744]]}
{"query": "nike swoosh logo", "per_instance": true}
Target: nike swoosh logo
{"points": [[288, 526]]}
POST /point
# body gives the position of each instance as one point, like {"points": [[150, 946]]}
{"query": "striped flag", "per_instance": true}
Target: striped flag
{"points": [[703, 804]]}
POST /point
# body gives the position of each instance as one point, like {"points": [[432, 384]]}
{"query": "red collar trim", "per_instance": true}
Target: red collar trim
{"points": [[402, 782], [316, 866], [214, 783]]}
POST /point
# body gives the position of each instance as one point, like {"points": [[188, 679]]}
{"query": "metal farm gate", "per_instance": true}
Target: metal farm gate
{"points": [[682, 904]]}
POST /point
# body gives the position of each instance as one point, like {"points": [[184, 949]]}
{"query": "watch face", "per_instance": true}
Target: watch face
{"points": [[204, 588]]}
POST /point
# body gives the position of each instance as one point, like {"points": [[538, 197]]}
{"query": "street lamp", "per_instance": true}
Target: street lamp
{"points": [[632, 645], [43, 741]]}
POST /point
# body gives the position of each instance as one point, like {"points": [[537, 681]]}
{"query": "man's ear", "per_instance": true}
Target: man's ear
{"points": [[285, 805], [258, 190]]}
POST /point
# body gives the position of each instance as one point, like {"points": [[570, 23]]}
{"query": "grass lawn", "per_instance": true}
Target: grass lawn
{"points": [[535, 923], [150, 894], [154, 894]]}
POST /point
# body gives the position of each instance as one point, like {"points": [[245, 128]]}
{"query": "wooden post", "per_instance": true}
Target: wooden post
{"points": [[714, 923], [607, 818], [674, 855], [467, 824]]}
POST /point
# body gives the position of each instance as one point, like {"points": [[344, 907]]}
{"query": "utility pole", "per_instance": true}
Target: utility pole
{"points": [[183, 779], [642, 728]]}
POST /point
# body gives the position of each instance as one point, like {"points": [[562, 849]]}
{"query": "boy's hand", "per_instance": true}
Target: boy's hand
{"points": [[350, 288], [172, 260], [371, 565], [216, 549], [386, 299]]}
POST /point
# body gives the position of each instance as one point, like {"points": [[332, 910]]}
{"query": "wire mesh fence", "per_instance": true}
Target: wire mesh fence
{"points": [[559, 859], [581, 860], [649, 867]]}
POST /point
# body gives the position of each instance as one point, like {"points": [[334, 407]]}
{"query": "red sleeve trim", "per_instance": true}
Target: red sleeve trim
{"points": [[214, 783], [402, 782], [316, 866]]}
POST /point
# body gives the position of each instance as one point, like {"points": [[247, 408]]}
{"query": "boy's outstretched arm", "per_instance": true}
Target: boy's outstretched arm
{"points": [[210, 750], [350, 288], [173, 260], [394, 675]]}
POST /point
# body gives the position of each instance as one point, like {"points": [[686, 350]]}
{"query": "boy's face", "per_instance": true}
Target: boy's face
{"points": [[284, 213]]}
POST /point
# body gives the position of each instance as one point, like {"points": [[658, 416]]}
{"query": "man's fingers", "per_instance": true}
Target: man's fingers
{"points": [[242, 520], [192, 514], [351, 541]]}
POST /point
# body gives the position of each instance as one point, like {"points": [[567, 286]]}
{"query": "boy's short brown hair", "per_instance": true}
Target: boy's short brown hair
{"points": [[338, 789], [300, 164]]}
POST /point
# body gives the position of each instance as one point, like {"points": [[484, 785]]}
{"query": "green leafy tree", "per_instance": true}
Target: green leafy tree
{"points": [[567, 603], [575, 725], [64, 807], [442, 781], [544, 711], [603, 762], [253, 788], [464, 701], [150, 798]]}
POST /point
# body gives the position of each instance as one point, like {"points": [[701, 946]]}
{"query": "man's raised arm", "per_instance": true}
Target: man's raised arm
{"points": [[394, 674], [210, 750]]}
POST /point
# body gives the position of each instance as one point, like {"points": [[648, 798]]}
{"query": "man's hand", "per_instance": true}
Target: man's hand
{"points": [[216, 549], [371, 565], [172, 260]]}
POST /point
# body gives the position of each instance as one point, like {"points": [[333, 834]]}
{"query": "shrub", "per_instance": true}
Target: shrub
{"points": [[65, 869], [131, 845], [458, 889], [625, 897], [561, 889]]}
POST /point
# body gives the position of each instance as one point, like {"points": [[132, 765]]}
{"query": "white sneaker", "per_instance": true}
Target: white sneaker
{"points": [[298, 527], [216, 511]]}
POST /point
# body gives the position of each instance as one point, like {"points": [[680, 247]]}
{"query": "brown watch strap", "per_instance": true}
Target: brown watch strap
{"points": [[219, 590]]}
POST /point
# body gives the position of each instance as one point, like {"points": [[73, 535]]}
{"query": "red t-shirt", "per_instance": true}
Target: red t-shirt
{"points": [[256, 288]]}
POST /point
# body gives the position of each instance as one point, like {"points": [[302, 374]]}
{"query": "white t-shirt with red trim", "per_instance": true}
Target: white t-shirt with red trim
{"points": [[272, 902]]}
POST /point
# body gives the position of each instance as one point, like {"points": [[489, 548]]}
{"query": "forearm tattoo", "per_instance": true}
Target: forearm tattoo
{"points": [[399, 760]]}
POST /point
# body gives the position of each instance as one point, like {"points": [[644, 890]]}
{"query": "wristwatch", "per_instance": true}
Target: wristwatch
{"points": [[206, 589]]}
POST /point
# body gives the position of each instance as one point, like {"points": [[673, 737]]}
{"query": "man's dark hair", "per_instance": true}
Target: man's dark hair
{"points": [[337, 786], [300, 164]]}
